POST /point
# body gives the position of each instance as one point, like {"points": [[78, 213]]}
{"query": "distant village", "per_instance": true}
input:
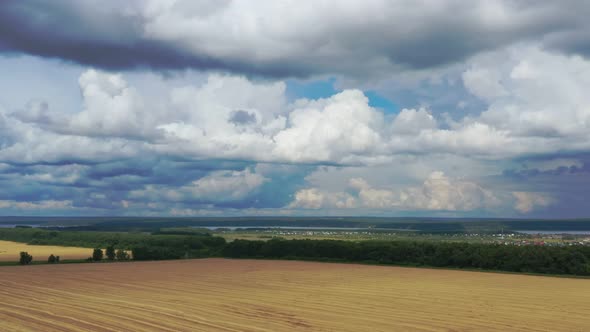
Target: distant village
{"points": [[512, 238]]}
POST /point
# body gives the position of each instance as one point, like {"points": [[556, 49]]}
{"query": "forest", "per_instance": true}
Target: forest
{"points": [[565, 260], [571, 260]]}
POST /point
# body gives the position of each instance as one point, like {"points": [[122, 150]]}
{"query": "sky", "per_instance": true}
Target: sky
{"points": [[443, 108]]}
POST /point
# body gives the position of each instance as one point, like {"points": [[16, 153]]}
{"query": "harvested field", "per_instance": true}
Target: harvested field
{"points": [[10, 251], [250, 295]]}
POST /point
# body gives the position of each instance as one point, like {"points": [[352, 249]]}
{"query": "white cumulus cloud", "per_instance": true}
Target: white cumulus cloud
{"points": [[527, 201], [437, 193]]}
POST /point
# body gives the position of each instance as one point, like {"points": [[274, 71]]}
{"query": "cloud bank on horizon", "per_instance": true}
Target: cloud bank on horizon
{"points": [[295, 107]]}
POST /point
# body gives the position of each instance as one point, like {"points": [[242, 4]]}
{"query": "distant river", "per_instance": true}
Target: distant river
{"points": [[555, 232], [233, 228]]}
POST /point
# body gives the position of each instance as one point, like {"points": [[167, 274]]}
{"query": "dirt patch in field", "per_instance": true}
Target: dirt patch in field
{"points": [[249, 295]]}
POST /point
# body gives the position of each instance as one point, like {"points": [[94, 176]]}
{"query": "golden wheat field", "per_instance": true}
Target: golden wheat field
{"points": [[10, 251], [250, 295]]}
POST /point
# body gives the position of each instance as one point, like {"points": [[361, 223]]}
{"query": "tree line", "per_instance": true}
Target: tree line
{"points": [[572, 260], [111, 254], [568, 260], [91, 239], [97, 255], [143, 246]]}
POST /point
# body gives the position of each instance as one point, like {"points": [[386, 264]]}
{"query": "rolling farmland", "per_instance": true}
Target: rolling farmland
{"points": [[250, 295], [9, 251]]}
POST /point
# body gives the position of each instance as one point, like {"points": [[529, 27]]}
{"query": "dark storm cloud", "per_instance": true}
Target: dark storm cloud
{"points": [[568, 188], [111, 40], [534, 172], [240, 117], [22, 190], [578, 171], [102, 34], [131, 168], [106, 186], [70, 32]]}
